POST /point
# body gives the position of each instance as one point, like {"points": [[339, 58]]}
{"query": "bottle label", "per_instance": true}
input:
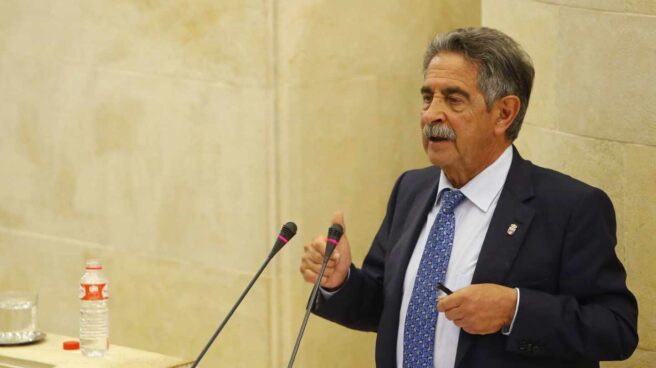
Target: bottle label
{"points": [[94, 291]]}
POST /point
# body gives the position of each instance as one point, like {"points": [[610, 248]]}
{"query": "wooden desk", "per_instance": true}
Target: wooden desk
{"points": [[50, 353]]}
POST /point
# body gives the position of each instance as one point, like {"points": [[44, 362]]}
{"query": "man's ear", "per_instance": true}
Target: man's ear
{"points": [[506, 109]]}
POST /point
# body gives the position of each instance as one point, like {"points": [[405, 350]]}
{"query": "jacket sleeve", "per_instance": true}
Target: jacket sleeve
{"points": [[359, 302], [594, 315]]}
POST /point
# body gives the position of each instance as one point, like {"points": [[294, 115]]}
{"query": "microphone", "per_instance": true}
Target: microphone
{"points": [[335, 233], [286, 233]]}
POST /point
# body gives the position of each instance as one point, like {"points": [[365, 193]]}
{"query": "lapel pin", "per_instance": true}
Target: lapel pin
{"points": [[511, 229]]}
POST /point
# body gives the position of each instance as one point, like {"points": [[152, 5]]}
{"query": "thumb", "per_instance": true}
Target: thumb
{"points": [[338, 218], [343, 250], [342, 256]]}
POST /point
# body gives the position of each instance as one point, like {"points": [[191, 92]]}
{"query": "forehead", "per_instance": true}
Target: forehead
{"points": [[451, 69]]}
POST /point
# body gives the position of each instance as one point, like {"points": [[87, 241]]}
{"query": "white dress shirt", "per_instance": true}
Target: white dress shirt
{"points": [[473, 217]]}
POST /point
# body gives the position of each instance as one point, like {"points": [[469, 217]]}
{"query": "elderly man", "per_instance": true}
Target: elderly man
{"points": [[528, 252]]}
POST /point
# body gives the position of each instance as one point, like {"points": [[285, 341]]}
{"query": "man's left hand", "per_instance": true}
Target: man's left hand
{"points": [[481, 308]]}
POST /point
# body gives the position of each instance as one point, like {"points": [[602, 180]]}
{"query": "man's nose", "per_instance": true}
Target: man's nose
{"points": [[435, 113]]}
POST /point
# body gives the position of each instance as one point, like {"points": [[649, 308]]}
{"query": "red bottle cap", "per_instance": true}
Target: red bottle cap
{"points": [[71, 345]]}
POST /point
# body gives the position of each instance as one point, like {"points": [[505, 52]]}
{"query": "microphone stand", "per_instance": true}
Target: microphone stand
{"points": [[234, 308], [287, 232], [308, 309], [334, 234]]}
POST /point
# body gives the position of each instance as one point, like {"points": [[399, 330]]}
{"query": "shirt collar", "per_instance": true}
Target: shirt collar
{"points": [[484, 187]]}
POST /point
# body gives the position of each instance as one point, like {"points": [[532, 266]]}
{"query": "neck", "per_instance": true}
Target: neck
{"points": [[460, 175]]}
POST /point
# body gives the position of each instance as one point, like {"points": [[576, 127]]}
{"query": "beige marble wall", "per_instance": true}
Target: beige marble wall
{"points": [[140, 132], [592, 116], [171, 139]]}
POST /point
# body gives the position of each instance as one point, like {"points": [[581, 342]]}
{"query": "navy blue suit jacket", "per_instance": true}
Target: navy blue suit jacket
{"points": [[575, 308]]}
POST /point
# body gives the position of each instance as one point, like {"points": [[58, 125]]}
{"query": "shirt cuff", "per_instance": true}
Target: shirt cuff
{"points": [[327, 294], [506, 330]]}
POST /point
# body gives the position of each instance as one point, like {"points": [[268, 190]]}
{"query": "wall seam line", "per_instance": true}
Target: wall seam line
{"points": [[624, 11], [274, 191], [112, 249], [556, 130]]}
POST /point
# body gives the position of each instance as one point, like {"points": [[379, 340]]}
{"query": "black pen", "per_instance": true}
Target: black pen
{"points": [[444, 288]]}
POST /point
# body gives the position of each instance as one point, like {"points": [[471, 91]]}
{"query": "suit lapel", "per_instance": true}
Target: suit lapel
{"points": [[503, 240]]}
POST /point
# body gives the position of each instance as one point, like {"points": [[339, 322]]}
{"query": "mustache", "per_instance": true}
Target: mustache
{"points": [[439, 130]]}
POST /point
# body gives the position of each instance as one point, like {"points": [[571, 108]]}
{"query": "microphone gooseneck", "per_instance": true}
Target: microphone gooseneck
{"points": [[335, 233], [286, 234]]}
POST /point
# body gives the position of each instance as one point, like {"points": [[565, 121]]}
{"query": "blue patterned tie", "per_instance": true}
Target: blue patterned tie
{"points": [[421, 318]]}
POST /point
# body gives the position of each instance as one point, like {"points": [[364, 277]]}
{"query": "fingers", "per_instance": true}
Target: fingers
{"points": [[454, 310], [314, 252], [316, 267], [338, 265], [480, 308], [455, 314], [445, 303], [311, 277], [313, 258]]}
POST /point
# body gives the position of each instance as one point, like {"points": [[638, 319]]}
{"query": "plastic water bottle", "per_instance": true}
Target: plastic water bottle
{"points": [[94, 312]]}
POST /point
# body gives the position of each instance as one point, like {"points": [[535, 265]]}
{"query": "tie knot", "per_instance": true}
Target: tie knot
{"points": [[451, 199]]}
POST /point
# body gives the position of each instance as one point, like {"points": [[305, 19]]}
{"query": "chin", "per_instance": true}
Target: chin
{"points": [[436, 159], [440, 155]]}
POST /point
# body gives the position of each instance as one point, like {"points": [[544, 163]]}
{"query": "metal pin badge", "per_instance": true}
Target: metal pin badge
{"points": [[511, 229]]}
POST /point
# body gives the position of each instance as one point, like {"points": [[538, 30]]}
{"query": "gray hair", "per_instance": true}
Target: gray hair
{"points": [[504, 68]]}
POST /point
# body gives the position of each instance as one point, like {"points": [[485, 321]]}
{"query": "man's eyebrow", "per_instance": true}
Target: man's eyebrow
{"points": [[426, 91], [455, 90]]}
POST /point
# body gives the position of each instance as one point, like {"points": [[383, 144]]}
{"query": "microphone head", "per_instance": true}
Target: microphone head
{"points": [[335, 233], [286, 233], [288, 230]]}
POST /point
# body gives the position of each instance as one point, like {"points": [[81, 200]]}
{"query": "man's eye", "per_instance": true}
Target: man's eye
{"points": [[454, 101], [427, 99]]}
